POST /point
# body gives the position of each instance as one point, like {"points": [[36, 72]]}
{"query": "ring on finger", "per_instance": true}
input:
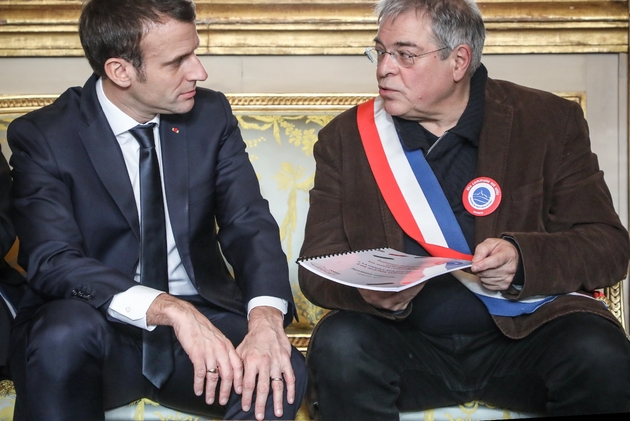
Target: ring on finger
{"points": [[212, 370], [277, 379]]}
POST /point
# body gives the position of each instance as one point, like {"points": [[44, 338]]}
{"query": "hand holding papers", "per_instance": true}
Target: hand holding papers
{"points": [[386, 269], [383, 269]]}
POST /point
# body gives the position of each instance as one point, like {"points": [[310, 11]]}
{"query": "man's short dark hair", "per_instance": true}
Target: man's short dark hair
{"points": [[114, 28]]}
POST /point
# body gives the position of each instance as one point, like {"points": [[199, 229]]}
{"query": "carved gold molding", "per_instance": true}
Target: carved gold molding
{"points": [[302, 27], [250, 102], [290, 103], [21, 104], [294, 103]]}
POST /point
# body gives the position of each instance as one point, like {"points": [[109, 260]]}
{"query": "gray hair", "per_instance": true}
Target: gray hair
{"points": [[454, 22]]}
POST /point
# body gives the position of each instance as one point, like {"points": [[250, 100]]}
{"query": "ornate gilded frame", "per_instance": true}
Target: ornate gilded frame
{"points": [[303, 27]]}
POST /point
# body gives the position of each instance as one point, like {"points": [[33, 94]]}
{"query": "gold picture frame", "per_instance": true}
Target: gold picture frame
{"points": [[322, 27]]}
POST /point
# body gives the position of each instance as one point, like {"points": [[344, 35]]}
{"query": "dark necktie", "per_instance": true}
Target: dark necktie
{"points": [[157, 346]]}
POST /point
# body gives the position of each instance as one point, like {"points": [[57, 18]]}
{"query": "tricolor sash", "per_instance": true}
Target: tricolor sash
{"points": [[408, 185], [417, 202], [496, 303]]}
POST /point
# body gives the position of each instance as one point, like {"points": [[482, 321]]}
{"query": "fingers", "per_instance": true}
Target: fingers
{"points": [[392, 301], [277, 388], [210, 365], [224, 373], [496, 284], [225, 386], [200, 373], [262, 391], [495, 262], [211, 378], [249, 384], [289, 381], [493, 254], [237, 365], [483, 250], [229, 368], [214, 359], [266, 354], [264, 375]]}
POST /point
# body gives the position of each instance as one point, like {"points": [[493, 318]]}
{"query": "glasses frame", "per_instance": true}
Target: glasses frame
{"points": [[394, 56]]}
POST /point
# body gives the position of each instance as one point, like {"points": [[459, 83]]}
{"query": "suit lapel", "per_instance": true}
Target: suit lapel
{"points": [[106, 157], [174, 143], [494, 144]]}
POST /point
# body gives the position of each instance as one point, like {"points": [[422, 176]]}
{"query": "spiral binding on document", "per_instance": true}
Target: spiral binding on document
{"points": [[341, 253]]}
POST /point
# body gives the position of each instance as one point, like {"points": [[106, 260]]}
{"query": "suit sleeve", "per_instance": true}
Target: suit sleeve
{"points": [[583, 245], [57, 263], [248, 233], [7, 233]]}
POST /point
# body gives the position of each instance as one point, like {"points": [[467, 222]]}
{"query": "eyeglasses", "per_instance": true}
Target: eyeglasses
{"points": [[403, 59]]}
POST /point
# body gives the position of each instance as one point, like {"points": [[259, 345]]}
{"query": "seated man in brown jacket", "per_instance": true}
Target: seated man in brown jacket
{"points": [[449, 162]]}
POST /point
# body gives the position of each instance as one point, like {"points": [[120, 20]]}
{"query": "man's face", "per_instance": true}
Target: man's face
{"points": [[170, 71], [420, 92]]}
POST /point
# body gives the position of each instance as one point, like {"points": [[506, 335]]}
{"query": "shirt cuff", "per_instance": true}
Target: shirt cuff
{"points": [[131, 306], [269, 301]]}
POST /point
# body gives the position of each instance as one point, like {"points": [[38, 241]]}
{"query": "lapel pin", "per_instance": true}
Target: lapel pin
{"points": [[482, 196], [175, 130]]}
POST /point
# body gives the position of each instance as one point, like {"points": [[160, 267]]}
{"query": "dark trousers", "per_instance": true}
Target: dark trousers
{"points": [[366, 368], [71, 363]]}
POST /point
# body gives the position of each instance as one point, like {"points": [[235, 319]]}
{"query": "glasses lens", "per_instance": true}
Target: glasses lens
{"points": [[371, 54]]}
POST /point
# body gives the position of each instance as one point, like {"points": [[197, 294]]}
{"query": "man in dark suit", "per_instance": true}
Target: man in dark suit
{"points": [[85, 332], [545, 226], [12, 283]]}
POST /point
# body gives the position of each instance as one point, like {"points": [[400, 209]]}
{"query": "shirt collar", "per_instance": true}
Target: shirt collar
{"points": [[471, 120], [117, 119]]}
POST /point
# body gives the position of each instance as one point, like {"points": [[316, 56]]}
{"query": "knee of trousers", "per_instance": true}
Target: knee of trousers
{"points": [[298, 363], [593, 354], [66, 328], [342, 340]]}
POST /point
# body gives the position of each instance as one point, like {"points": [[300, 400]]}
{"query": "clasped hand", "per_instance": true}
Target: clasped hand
{"points": [[264, 353]]}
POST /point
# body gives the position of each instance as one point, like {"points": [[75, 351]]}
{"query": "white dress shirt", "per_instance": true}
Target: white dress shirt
{"points": [[131, 306]]}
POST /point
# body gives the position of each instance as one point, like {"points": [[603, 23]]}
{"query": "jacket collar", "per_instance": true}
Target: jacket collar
{"points": [[105, 154]]}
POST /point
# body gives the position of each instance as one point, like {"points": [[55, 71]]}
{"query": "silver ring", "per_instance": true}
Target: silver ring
{"points": [[277, 379], [212, 370]]}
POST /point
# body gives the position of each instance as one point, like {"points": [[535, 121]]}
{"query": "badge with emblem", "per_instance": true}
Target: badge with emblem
{"points": [[482, 196]]}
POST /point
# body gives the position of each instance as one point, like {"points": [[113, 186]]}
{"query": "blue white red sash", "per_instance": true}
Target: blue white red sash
{"points": [[409, 186], [496, 303], [417, 201]]}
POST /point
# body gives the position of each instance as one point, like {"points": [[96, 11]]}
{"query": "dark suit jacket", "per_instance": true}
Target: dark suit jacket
{"points": [[11, 281], [7, 233], [75, 214], [555, 205]]}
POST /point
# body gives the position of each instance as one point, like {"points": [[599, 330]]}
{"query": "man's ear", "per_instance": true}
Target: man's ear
{"points": [[461, 63], [119, 71]]}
